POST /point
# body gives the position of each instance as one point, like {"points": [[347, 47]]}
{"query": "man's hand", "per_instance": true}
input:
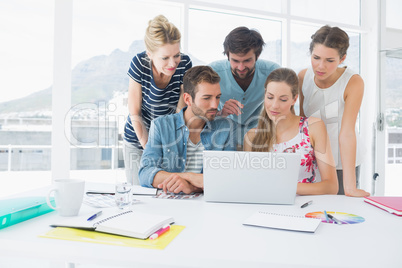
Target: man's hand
{"points": [[231, 107], [176, 184]]}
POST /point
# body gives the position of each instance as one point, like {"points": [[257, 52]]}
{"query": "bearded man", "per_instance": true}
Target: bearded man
{"points": [[243, 77], [173, 157]]}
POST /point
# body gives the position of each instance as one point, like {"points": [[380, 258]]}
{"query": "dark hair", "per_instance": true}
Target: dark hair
{"points": [[196, 75], [241, 40], [332, 37]]}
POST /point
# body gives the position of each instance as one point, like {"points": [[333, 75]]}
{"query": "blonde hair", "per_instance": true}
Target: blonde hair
{"points": [[160, 32], [265, 136]]}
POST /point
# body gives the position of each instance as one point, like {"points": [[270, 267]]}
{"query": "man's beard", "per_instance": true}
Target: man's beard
{"points": [[247, 75], [199, 113]]}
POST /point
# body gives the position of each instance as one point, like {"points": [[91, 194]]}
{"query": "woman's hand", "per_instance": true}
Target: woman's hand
{"points": [[356, 192]]}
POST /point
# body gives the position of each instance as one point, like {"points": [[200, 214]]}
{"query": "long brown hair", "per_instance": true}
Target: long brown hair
{"points": [[265, 136]]}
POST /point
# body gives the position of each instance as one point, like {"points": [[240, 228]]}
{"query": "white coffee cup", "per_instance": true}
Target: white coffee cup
{"points": [[68, 195]]}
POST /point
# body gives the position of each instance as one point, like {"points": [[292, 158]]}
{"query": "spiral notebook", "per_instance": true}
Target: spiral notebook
{"points": [[284, 222], [126, 223]]}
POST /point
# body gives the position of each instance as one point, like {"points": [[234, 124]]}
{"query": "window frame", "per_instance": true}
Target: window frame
{"points": [[368, 30]]}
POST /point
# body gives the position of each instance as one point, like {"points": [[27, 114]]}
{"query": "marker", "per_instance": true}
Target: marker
{"points": [[160, 232], [306, 204], [334, 219], [326, 216], [94, 216]]}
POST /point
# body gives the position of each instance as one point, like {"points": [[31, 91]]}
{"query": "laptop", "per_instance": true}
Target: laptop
{"points": [[251, 177]]}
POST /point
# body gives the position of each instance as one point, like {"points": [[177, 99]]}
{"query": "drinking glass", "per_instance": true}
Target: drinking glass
{"points": [[123, 194]]}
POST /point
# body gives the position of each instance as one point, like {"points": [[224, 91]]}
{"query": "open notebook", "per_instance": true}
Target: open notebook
{"points": [[127, 223]]}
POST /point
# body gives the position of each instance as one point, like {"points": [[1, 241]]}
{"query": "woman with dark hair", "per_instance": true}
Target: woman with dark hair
{"points": [[280, 130], [335, 94]]}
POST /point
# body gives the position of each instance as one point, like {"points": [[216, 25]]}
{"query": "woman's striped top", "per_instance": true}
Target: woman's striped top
{"points": [[155, 101]]}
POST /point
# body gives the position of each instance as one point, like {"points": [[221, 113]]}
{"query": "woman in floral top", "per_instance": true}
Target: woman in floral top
{"points": [[280, 130]]}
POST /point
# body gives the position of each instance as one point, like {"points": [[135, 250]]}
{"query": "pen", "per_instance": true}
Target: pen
{"points": [[307, 203], [160, 232], [334, 219], [94, 216], [326, 216], [103, 193]]}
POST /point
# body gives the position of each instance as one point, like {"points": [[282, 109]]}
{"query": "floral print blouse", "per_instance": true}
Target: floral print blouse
{"points": [[301, 144]]}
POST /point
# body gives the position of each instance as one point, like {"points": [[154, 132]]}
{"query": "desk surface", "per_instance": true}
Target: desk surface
{"points": [[215, 237]]}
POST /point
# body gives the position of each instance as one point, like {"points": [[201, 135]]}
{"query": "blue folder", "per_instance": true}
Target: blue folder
{"points": [[16, 210]]}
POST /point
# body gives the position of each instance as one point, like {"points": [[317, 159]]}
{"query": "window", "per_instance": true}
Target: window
{"points": [[393, 124], [25, 119], [390, 153], [266, 5], [393, 18], [341, 11], [206, 39], [105, 39]]}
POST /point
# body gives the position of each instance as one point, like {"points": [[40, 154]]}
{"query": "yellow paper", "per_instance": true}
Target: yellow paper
{"points": [[116, 240]]}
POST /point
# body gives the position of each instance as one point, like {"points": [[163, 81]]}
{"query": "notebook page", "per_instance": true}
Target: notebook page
{"points": [[134, 224], [285, 222]]}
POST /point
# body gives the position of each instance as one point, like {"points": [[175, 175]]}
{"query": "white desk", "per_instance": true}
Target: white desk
{"points": [[215, 237]]}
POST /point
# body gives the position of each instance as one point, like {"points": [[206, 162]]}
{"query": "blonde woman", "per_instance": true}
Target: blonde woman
{"points": [[280, 130], [155, 88], [335, 94]]}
